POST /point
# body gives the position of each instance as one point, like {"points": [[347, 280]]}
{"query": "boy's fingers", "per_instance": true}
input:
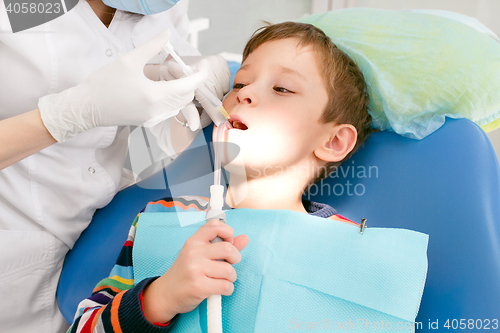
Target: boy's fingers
{"points": [[223, 251], [215, 228], [240, 242], [220, 287], [221, 270]]}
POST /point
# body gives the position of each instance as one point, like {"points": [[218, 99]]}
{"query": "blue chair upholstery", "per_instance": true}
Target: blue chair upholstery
{"points": [[446, 185]]}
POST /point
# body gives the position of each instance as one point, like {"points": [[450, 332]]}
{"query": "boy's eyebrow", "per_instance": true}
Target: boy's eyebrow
{"points": [[283, 69], [288, 70]]}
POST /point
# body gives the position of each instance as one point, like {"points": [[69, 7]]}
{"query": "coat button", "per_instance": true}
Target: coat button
{"points": [[109, 52], [91, 170]]}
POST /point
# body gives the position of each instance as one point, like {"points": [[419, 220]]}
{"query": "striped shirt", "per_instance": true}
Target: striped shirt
{"points": [[115, 304]]}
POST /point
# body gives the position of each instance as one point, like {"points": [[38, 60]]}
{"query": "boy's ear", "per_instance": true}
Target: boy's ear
{"points": [[340, 141]]}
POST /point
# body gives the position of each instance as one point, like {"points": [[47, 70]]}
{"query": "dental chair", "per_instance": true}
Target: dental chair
{"points": [[446, 185]]}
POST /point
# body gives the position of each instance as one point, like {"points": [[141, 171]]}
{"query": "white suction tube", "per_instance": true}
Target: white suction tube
{"points": [[214, 211]]}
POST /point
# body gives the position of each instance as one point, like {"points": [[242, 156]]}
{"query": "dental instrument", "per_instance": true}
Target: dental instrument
{"points": [[216, 111]]}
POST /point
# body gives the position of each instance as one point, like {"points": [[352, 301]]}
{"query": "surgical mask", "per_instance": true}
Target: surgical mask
{"points": [[145, 7]]}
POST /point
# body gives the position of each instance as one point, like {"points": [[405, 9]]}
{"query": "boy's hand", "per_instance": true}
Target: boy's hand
{"points": [[195, 274]]}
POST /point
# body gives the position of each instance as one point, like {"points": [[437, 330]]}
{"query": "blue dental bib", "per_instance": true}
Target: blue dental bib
{"points": [[298, 272]]}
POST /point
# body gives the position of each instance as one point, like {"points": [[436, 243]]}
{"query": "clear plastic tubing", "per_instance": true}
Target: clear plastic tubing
{"points": [[217, 147]]}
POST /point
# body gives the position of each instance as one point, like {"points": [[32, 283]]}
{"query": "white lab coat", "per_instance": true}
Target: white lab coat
{"points": [[48, 199]]}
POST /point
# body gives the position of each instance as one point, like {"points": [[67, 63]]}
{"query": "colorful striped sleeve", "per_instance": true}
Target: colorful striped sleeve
{"points": [[115, 304]]}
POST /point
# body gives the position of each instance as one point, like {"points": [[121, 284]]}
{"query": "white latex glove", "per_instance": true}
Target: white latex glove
{"points": [[218, 81], [118, 94]]}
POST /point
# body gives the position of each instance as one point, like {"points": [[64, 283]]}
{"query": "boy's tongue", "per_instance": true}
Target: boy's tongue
{"points": [[239, 125]]}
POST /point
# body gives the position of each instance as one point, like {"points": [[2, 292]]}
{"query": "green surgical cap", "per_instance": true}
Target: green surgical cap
{"points": [[420, 67]]}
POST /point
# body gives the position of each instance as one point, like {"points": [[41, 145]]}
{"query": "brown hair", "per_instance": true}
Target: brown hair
{"points": [[344, 81]]}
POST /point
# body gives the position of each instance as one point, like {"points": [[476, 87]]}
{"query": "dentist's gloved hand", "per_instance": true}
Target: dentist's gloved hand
{"points": [[218, 81], [118, 94]]}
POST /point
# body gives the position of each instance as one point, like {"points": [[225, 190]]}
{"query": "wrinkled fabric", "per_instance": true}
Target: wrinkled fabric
{"points": [[296, 269], [420, 67]]}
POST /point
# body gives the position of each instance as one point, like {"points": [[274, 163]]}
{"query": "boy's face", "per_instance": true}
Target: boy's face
{"points": [[279, 97]]}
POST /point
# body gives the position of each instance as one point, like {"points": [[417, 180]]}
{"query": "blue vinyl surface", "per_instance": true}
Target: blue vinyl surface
{"points": [[446, 185]]}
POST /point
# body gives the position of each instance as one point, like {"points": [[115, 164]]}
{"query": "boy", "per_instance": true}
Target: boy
{"points": [[298, 103]]}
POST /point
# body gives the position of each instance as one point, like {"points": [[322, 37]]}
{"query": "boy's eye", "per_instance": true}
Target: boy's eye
{"points": [[238, 85], [282, 90]]}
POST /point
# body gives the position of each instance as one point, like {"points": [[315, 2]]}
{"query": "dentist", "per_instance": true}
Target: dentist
{"points": [[83, 77]]}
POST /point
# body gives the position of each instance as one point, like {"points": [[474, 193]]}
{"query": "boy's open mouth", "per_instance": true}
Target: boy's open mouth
{"points": [[237, 123]]}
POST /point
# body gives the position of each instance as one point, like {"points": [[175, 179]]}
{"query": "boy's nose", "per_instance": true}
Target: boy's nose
{"points": [[244, 100], [246, 96]]}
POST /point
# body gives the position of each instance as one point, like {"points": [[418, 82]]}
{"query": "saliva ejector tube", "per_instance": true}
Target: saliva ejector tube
{"points": [[214, 212]]}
